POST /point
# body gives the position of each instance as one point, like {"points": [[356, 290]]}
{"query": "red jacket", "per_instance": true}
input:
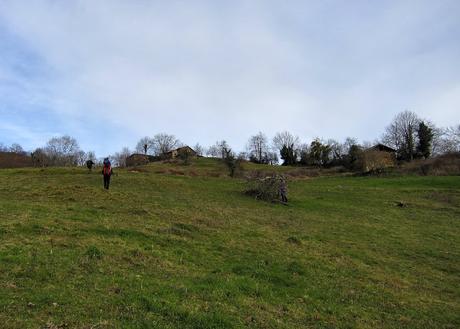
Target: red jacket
{"points": [[107, 171]]}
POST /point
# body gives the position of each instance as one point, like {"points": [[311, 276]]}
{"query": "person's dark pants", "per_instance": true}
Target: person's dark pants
{"points": [[106, 181], [284, 197]]}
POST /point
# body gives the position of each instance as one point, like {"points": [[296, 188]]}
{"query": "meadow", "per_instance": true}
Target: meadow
{"points": [[173, 246]]}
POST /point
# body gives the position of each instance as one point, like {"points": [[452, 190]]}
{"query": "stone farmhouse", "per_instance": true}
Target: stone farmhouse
{"points": [[378, 157], [143, 159]]}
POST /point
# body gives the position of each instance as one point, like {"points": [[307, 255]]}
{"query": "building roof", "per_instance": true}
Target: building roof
{"points": [[381, 147], [181, 148]]}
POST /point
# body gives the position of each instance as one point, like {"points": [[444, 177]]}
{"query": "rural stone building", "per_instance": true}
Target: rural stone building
{"points": [[382, 148], [378, 157], [184, 150], [139, 160]]}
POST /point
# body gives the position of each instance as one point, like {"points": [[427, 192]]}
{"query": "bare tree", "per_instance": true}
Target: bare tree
{"points": [[63, 150], [211, 151], [219, 150], [145, 145], [243, 156], [445, 140], [437, 143], [80, 158], [91, 155], [457, 131], [288, 146], [40, 158], [272, 158], [401, 134], [453, 135], [349, 143], [3, 148], [16, 148], [285, 139], [163, 143], [120, 157], [337, 151], [199, 149], [258, 148]]}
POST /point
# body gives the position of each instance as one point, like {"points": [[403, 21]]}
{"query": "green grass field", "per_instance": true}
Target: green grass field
{"points": [[182, 247]]}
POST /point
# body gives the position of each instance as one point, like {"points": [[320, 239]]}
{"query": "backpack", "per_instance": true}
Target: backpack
{"points": [[107, 167]]}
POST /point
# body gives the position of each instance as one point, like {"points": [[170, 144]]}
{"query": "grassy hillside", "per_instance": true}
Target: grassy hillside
{"points": [[182, 247]]}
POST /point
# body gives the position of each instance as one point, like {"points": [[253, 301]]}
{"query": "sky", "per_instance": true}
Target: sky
{"points": [[110, 72]]}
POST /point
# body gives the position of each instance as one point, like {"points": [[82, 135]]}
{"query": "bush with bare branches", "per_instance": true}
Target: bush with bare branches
{"points": [[267, 188]]}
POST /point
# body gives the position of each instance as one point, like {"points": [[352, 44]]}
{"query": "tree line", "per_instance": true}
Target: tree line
{"points": [[411, 137]]}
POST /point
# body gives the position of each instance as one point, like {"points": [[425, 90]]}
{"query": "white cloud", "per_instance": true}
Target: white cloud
{"points": [[25, 135], [208, 71]]}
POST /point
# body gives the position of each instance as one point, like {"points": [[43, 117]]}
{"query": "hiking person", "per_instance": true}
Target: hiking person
{"points": [[90, 164], [107, 172], [283, 190]]}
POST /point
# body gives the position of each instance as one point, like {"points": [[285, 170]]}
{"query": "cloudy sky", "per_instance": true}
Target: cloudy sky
{"points": [[110, 72]]}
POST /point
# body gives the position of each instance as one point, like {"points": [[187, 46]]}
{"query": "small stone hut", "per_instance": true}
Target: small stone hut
{"points": [[139, 159], [181, 150], [378, 157]]}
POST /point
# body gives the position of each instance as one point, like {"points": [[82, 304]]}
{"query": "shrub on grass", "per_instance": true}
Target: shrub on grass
{"points": [[267, 188], [233, 164], [444, 165]]}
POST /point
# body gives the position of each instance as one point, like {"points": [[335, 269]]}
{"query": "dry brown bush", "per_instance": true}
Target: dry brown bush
{"points": [[267, 188], [444, 165], [14, 160]]}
